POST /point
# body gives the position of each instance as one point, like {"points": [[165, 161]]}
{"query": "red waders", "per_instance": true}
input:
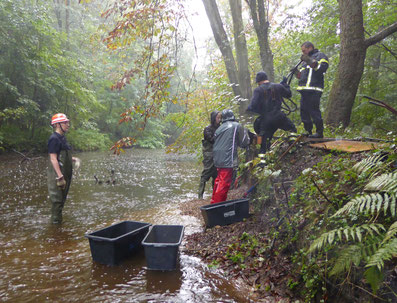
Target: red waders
{"points": [[222, 185]]}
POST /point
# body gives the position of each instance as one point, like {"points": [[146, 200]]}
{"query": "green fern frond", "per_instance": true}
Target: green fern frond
{"points": [[368, 204], [346, 257], [371, 245], [385, 183], [374, 277], [391, 233], [385, 253], [349, 233], [371, 164]]}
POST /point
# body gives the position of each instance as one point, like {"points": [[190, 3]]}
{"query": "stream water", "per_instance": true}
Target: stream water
{"points": [[41, 262]]}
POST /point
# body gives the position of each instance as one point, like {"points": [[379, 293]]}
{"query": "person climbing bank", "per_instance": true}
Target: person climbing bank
{"points": [[60, 168], [209, 170], [228, 137], [311, 86], [266, 101]]}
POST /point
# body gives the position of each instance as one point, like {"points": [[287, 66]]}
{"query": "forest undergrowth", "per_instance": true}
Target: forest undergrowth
{"points": [[322, 228]]}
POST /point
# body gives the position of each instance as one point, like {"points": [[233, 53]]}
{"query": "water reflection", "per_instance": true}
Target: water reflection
{"points": [[163, 281], [40, 262]]}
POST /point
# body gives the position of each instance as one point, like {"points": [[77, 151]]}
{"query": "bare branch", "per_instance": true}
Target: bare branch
{"points": [[391, 29]]}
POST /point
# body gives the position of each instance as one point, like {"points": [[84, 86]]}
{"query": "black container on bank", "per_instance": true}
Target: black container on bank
{"points": [[224, 213]]}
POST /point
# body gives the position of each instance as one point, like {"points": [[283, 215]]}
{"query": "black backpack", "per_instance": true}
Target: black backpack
{"points": [[259, 107]]}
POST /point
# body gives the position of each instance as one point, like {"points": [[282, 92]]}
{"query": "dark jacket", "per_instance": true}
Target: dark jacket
{"points": [[313, 78], [269, 97], [209, 133], [228, 137]]}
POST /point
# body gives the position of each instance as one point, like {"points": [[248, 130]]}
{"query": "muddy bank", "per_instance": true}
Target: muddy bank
{"points": [[264, 276], [260, 250], [250, 251]]}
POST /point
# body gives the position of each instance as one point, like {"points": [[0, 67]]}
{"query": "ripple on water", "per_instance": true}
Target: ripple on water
{"points": [[40, 262]]}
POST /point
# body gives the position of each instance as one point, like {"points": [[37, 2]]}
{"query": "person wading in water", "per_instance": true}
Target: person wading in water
{"points": [[60, 168]]}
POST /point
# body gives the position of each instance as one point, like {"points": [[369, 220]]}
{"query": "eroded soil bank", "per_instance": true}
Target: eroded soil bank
{"points": [[271, 272], [267, 269]]}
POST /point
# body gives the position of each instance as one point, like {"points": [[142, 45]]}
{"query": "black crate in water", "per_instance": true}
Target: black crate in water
{"points": [[113, 244], [224, 213], [162, 246]]}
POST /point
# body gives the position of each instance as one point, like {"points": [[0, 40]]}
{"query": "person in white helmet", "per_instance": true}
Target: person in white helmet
{"points": [[60, 168]]}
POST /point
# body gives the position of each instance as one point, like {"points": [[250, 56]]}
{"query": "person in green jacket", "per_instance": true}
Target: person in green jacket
{"points": [[209, 170], [60, 168]]}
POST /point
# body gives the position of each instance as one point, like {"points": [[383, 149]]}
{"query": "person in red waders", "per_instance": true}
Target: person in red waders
{"points": [[228, 137]]}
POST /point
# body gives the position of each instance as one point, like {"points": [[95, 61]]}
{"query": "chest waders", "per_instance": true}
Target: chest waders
{"points": [[209, 170], [58, 195]]}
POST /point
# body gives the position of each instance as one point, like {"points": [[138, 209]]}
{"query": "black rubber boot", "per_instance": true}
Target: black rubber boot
{"points": [[201, 190], [263, 148], [308, 128], [319, 130]]}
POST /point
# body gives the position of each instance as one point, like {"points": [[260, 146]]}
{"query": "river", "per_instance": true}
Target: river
{"points": [[41, 262]]}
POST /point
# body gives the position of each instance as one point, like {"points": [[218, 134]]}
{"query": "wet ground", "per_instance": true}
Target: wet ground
{"points": [[41, 262]]}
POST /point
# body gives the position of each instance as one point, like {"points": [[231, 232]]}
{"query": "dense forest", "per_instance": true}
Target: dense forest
{"points": [[126, 72], [131, 73], [60, 56]]}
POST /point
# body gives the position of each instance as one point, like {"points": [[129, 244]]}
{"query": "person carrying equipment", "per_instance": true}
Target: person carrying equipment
{"points": [[60, 169], [228, 137], [266, 101], [311, 86], [209, 170]]}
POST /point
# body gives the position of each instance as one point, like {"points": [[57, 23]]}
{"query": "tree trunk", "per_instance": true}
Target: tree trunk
{"points": [[351, 64], [222, 41], [259, 15], [67, 23], [241, 54], [57, 10]]}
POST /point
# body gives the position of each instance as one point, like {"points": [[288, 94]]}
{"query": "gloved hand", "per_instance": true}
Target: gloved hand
{"points": [[61, 183], [295, 72], [284, 81], [309, 60]]}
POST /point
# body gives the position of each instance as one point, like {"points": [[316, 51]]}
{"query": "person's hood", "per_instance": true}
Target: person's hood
{"points": [[213, 118], [227, 115]]}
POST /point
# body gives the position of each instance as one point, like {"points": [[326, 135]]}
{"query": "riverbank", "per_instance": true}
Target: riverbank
{"points": [[212, 246], [269, 251], [252, 251]]}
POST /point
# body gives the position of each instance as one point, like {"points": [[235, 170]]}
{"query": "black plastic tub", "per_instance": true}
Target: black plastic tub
{"points": [[162, 246], [113, 244], [224, 213]]}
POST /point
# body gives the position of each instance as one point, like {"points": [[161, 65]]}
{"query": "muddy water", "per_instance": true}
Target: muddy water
{"points": [[40, 262]]}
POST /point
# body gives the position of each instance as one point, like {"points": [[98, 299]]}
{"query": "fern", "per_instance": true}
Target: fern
{"points": [[374, 277], [386, 252], [391, 232], [386, 183], [347, 256], [372, 164], [368, 242], [349, 233], [369, 203]]}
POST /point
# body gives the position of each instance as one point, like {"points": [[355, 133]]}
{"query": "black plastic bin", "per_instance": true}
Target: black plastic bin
{"points": [[113, 244], [162, 246], [224, 213]]}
